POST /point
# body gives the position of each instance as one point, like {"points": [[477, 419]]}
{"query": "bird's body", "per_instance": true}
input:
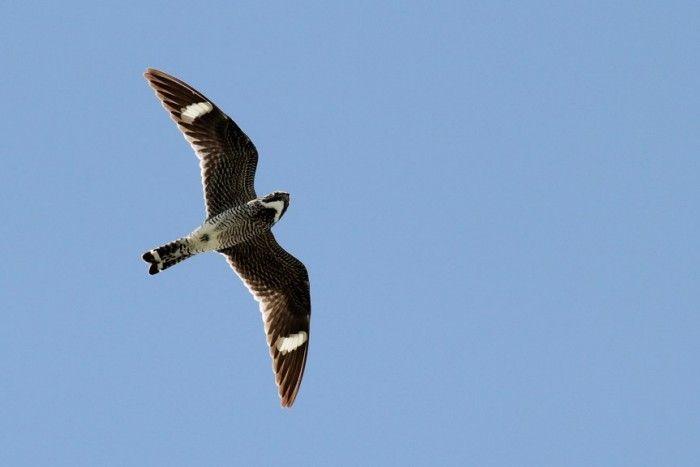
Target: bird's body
{"points": [[224, 230], [238, 226]]}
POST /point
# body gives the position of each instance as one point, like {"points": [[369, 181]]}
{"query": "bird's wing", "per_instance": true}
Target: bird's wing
{"points": [[227, 156], [280, 283]]}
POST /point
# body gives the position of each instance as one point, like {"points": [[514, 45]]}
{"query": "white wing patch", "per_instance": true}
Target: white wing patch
{"points": [[291, 342], [193, 111]]}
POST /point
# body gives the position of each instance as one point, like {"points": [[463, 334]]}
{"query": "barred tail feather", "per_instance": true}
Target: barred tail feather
{"points": [[167, 255]]}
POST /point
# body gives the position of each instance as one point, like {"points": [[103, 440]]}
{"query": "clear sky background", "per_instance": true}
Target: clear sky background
{"points": [[497, 203]]}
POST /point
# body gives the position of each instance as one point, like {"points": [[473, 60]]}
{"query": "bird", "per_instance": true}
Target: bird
{"points": [[238, 225]]}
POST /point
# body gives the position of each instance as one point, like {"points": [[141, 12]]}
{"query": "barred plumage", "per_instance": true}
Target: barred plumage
{"points": [[238, 226]]}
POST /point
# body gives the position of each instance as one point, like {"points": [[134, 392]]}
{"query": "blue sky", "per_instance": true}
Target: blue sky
{"points": [[497, 204]]}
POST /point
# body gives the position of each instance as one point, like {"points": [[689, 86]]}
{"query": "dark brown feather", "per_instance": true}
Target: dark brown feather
{"points": [[227, 156], [280, 283]]}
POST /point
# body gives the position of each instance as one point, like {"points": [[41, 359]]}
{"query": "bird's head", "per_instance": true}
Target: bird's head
{"points": [[278, 201]]}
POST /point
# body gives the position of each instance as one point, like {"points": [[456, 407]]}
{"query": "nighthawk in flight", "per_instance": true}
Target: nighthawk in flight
{"points": [[238, 226]]}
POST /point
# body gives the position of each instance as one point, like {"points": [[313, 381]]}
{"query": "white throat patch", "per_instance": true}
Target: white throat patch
{"points": [[291, 342], [193, 111], [278, 206]]}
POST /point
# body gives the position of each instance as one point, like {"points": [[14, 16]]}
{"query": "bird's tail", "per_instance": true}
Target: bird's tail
{"points": [[167, 255]]}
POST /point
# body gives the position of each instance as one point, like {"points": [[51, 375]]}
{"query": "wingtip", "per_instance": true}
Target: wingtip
{"points": [[287, 397], [286, 403], [152, 73]]}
